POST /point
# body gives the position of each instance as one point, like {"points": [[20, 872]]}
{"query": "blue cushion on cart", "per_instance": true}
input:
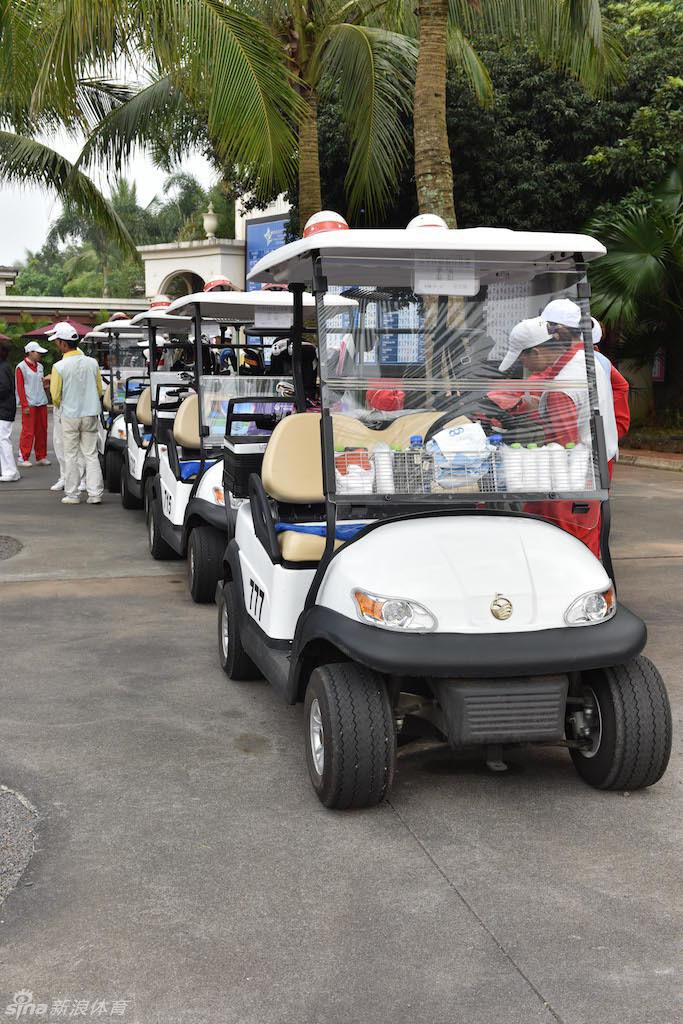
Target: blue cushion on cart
{"points": [[147, 437], [345, 531], [190, 467]]}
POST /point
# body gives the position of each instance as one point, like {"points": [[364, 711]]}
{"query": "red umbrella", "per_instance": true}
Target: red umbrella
{"points": [[42, 332]]}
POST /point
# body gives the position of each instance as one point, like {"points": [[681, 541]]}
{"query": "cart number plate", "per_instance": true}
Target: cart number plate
{"points": [[256, 599]]}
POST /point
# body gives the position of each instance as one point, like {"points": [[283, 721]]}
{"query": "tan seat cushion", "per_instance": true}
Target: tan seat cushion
{"points": [[186, 423], [292, 466], [143, 410], [106, 399], [302, 547]]}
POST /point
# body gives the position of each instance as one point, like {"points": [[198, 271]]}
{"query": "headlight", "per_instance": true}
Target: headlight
{"points": [[596, 606], [395, 613]]}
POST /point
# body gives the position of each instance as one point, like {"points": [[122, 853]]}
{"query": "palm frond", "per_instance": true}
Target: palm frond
{"points": [[643, 251], [157, 116], [26, 161], [463, 56], [235, 67], [372, 72], [567, 34]]}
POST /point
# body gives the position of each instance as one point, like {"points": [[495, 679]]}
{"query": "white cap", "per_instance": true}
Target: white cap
{"points": [[325, 220], [564, 312], [63, 331], [526, 334], [428, 220], [596, 331], [33, 346]]}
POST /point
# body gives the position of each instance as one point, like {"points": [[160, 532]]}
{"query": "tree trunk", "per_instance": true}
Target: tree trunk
{"points": [[310, 200], [433, 171]]}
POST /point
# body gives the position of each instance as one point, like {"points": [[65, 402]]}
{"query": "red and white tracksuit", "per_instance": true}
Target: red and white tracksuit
{"points": [[33, 401]]}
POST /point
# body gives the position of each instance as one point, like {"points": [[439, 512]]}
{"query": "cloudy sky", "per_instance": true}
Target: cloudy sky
{"points": [[25, 214]]}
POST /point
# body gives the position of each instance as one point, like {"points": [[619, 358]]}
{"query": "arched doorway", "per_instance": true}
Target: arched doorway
{"points": [[181, 282]]}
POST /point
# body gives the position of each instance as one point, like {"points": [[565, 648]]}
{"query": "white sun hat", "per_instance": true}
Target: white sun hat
{"points": [[596, 331], [564, 312], [63, 331], [526, 334], [33, 346]]}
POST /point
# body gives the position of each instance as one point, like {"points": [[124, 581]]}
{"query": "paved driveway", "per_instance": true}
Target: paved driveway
{"points": [[186, 874]]}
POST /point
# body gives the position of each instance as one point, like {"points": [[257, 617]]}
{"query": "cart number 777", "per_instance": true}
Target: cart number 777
{"points": [[256, 598]]}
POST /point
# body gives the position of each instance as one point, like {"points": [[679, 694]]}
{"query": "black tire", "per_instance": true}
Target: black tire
{"points": [[159, 549], [148, 497], [112, 470], [128, 500], [234, 660], [358, 735], [632, 744], [205, 551]]}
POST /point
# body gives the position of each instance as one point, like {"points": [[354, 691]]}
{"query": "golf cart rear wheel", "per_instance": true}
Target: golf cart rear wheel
{"points": [[235, 661], [112, 471], [630, 727], [128, 499], [349, 736], [204, 562], [158, 547]]}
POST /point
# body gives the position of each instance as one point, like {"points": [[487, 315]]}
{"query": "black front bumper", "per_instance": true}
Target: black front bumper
{"points": [[478, 655]]}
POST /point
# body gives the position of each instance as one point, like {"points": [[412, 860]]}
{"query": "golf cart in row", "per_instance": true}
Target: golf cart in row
{"points": [[126, 362], [408, 562], [151, 402], [242, 391]]}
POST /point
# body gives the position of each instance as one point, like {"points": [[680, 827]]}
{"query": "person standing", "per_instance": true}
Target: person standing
{"points": [[8, 410], [63, 328], [76, 389], [33, 400]]}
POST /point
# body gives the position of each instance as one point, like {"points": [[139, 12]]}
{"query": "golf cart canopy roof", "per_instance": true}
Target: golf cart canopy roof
{"points": [[161, 319], [242, 307], [95, 336], [124, 328], [292, 262]]}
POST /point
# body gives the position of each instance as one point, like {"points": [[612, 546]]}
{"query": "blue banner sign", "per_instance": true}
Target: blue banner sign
{"points": [[263, 235]]}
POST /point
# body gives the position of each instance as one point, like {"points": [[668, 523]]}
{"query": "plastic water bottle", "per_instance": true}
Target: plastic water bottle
{"points": [[578, 466], [512, 464], [497, 472], [545, 478], [530, 467], [559, 466], [384, 469]]}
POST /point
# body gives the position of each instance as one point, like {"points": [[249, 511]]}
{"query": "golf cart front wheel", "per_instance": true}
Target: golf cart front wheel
{"points": [[159, 549], [128, 499], [626, 720], [235, 661], [204, 562], [349, 735], [112, 471]]}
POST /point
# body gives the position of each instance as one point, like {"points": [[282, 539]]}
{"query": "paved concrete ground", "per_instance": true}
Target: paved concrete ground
{"points": [[186, 867]]}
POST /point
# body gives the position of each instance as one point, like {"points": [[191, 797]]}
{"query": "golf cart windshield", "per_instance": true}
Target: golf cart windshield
{"points": [[436, 394], [126, 359], [216, 392]]}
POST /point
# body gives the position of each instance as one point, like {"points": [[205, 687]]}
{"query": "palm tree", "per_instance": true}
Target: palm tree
{"points": [[566, 33], [325, 46], [54, 62], [24, 157], [638, 285]]}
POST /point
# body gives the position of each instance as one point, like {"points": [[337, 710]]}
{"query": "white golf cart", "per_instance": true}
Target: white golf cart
{"points": [[409, 561], [126, 363], [165, 349], [239, 402]]}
